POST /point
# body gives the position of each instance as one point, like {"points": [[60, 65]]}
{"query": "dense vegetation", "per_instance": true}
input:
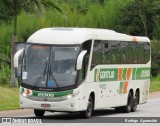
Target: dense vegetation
{"points": [[127, 16]]}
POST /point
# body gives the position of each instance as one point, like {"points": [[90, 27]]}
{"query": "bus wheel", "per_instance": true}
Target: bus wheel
{"points": [[128, 107], [135, 103], [119, 109], [88, 112], [39, 112]]}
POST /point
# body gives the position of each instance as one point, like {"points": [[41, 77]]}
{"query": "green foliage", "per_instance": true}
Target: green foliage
{"points": [[128, 16], [155, 85], [4, 74], [155, 55], [139, 17], [10, 98]]}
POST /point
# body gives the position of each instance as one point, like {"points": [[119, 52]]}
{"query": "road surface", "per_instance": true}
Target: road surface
{"points": [[150, 109]]}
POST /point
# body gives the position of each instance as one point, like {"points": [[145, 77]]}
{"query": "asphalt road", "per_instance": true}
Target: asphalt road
{"points": [[149, 109]]}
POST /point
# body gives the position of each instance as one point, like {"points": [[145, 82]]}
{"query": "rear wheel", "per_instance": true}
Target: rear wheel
{"points": [[135, 102], [119, 109], [88, 113], [128, 107], [39, 112]]}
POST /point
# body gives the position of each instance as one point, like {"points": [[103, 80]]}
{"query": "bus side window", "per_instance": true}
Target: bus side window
{"points": [[106, 52], [86, 46], [140, 53], [97, 54], [124, 53], [83, 72], [134, 48], [146, 52], [115, 52]]}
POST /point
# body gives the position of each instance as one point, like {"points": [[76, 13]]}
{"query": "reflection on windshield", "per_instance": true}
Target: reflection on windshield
{"points": [[51, 67]]}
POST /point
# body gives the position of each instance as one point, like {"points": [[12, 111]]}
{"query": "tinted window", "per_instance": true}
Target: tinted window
{"points": [[140, 53], [146, 52], [82, 73], [111, 52], [114, 52], [97, 53]]}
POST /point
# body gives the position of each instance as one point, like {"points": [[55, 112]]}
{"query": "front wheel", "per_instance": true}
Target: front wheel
{"points": [[39, 113], [88, 113]]}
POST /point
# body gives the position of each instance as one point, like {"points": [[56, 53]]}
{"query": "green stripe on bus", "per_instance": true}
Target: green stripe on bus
{"points": [[111, 74], [124, 74], [95, 75], [134, 73], [142, 73], [52, 94], [120, 87]]}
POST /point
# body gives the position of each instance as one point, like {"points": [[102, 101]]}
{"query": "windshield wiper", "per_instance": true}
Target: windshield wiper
{"points": [[40, 77], [45, 71], [52, 76]]}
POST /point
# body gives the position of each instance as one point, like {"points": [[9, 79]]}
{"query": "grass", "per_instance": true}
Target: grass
{"points": [[9, 98], [155, 84]]}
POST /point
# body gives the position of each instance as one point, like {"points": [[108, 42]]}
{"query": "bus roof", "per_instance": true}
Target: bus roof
{"points": [[79, 35]]}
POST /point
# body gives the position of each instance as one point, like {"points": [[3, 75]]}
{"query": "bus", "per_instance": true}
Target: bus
{"points": [[82, 70]]}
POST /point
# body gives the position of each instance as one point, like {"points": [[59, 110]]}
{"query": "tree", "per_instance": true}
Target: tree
{"points": [[12, 8], [139, 17], [155, 55]]}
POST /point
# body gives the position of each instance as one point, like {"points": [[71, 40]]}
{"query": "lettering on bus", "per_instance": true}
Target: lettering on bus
{"points": [[141, 73], [45, 95], [145, 73], [105, 74]]}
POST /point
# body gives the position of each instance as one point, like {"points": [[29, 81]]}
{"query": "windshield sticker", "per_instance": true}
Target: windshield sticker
{"points": [[50, 84], [24, 75]]}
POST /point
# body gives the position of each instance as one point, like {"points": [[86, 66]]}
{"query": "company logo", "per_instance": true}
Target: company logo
{"points": [[105, 74]]}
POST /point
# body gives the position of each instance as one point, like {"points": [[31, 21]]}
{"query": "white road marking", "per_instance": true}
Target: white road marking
{"points": [[48, 114], [153, 100], [73, 124], [141, 114]]}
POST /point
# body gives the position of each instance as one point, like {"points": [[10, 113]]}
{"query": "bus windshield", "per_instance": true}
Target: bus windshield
{"points": [[49, 66]]}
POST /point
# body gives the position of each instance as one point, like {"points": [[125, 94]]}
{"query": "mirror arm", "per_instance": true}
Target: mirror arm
{"points": [[80, 59], [16, 57]]}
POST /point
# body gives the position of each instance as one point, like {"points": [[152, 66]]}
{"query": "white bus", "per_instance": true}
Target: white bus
{"points": [[83, 69]]}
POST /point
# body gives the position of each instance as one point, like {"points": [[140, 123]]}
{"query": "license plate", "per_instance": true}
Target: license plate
{"points": [[45, 105]]}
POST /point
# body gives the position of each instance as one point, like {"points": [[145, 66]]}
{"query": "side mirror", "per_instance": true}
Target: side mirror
{"points": [[16, 57], [80, 59]]}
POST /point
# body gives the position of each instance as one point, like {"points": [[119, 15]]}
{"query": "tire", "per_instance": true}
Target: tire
{"points": [[119, 109], [88, 113], [128, 107], [39, 113], [135, 102]]}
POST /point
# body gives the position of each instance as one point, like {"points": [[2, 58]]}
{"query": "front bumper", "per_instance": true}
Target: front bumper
{"points": [[66, 105]]}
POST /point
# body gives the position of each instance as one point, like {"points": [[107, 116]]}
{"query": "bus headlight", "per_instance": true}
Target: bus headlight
{"points": [[27, 93], [70, 96]]}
